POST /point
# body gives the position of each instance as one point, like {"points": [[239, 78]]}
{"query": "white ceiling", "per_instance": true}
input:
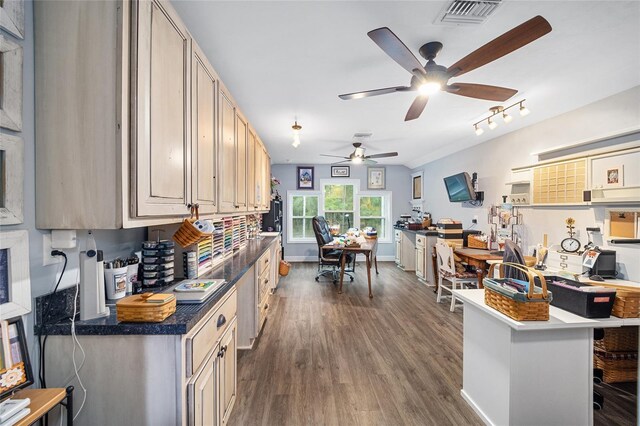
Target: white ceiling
{"points": [[285, 60]]}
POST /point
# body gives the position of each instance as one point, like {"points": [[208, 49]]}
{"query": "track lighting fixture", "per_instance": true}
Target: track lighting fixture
{"points": [[507, 118], [296, 134]]}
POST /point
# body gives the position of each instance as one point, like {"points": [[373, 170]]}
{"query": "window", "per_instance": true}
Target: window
{"points": [[341, 203], [303, 206], [373, 213]]}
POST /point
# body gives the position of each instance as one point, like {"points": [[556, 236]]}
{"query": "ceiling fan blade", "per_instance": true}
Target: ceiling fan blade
{"points": [[416, 107], [343, 161], [512, 40], [375, 92], [369, 162], [335, 156], [383, 155], [395, 48], [481, 91]]}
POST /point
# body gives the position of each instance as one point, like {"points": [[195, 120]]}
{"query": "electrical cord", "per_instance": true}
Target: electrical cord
{"points": [[73, 354], [42, 344]]}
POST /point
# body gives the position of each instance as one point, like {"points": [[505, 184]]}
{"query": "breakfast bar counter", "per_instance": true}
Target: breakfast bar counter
{"points": [[528, 372]]}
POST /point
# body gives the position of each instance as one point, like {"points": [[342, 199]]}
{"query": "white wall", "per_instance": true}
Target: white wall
{"points": [[494, 159], [113, 243], [398, 181]]}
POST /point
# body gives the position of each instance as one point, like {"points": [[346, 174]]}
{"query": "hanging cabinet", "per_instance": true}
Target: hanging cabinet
{"points": [[142, 126]]}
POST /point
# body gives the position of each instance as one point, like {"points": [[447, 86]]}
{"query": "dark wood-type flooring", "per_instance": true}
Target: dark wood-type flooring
{"points": [[326, 358]]}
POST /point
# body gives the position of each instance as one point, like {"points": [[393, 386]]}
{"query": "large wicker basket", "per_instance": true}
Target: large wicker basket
{"points": [[627, 302], [622, 339], [617, 366], [532, 306]]}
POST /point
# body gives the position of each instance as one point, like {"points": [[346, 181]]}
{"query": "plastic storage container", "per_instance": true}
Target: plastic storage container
{"points": [[567, 296]]}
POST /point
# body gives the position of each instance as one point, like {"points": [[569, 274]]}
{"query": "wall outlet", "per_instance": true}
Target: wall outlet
{"points": [[475, 219], [47, 259]]}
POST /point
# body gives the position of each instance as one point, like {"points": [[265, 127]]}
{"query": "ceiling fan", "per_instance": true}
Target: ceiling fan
{"points": [[357, 156], [432, 77]]}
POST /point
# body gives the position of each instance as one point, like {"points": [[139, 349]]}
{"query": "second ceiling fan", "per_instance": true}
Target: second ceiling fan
{"points": [[433, 77], [357, 156]]}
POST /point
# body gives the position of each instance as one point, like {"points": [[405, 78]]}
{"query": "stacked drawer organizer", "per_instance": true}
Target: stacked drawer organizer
{"points": [[451, 233]]}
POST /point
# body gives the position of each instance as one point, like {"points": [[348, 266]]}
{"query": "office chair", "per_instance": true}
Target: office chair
{"points": [[329, 259]]}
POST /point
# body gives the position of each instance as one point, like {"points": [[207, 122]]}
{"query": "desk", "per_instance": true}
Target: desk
{"points": [[367, 248], [533, 372], [479, 259], [43, 400]]}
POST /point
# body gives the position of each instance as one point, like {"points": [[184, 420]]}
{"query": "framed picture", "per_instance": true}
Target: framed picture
{"points": [[416, 186], [11, 179], [15, 366], [375, 178], [615, 176], [11, 99], [15, 285], [304, 177], [12, 17], [340, 171]]}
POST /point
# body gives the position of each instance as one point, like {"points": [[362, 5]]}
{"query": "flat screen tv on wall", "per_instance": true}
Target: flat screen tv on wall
{"points": [[460, 188]]}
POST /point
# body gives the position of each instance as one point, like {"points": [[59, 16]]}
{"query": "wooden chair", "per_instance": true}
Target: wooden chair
{"points": [[447, 271]]}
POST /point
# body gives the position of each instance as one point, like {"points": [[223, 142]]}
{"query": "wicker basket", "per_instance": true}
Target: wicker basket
{"points": [[188, 234], [533, 307], [623, 339], [284, 267], [136, 309], [627, 302], [474, 242], [617, 367]]}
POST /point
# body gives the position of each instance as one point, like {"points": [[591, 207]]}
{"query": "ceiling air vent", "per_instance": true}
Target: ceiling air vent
{"points": [[467, 12]]}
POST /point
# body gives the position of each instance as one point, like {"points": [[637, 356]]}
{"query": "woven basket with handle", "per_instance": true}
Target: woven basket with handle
{"points": [[534, 305], [188, 234]]}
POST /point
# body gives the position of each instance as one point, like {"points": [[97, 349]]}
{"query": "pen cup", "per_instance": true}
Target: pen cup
{"points": [[115, 282]]}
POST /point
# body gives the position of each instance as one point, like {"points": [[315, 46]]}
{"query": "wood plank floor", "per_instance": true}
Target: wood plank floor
{"points": [[327, 359]]}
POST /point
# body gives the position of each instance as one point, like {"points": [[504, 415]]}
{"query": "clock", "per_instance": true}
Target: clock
{"points": [[570, 245]]}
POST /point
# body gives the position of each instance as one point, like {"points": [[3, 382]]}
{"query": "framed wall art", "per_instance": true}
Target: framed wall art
{"points": [[11, 99], [11, 179], [376, 178], [416, 186], [15, 366], [340, 171], [12, 17], [15, 285], [615, 176], [304, 177]]}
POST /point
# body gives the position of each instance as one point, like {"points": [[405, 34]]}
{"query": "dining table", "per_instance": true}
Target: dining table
{"points": [[368, 248]]}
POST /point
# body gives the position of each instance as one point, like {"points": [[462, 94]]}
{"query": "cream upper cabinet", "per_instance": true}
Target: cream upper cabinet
{"points": [[265, 183], [204, 156], [162, 115], [227, 150], [252, 204], [241, 163]]}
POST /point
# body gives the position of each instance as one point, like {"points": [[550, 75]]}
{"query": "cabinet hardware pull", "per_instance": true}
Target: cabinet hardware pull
{"points": [[221, 320], [266, 281]]}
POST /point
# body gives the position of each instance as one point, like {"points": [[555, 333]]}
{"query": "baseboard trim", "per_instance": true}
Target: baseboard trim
{"points": [[297, 259]]}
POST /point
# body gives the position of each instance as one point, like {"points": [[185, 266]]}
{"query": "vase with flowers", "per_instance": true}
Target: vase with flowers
{"points": [[274, 188]]}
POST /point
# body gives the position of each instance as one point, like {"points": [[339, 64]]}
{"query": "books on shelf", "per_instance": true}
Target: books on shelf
{"points": [[12, 410]]}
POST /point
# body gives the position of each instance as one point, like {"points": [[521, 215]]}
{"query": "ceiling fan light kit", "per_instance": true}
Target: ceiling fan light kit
{"points": [[431, 78], [500, 110]]}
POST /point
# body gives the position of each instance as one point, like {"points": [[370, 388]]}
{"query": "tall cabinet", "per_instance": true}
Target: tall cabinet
{"points": [[227, 152]]}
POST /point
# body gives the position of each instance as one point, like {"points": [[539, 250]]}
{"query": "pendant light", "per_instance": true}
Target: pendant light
{"points": [[296, 134]]}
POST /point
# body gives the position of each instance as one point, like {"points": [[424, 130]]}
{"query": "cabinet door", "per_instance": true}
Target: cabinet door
{"points": [[162, 126], [398, 251], [241, 164], [227, 150], [267, 180], [203, 393], [203, 146], [227, 372], [251, 172], [420, 262]]}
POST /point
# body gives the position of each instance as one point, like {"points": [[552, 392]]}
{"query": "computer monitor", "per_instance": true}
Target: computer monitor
{"points": [[605, 265]]}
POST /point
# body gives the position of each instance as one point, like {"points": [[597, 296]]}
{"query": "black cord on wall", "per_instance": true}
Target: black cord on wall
{"points": [[43, 327]]}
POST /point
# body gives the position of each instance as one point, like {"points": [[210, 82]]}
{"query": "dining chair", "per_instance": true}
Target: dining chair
{"points": [[329, 259], [447, 271]]}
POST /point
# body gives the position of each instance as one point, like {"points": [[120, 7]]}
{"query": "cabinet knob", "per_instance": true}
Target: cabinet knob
{"points": [[221, 320]]}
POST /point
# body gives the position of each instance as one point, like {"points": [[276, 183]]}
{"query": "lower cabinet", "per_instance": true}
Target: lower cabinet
{"points": [[421, 260], [227, 372]]}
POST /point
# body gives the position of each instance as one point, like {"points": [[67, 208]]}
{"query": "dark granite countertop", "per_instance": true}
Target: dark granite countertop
{"points": [[186, 315], [426, 232]]}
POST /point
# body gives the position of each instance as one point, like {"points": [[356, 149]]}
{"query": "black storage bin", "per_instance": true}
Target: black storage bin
{"points": [[588, 305]]}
